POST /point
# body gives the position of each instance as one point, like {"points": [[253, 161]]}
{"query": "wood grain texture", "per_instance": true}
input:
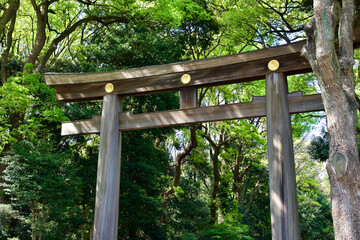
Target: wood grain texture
{"points": [[108, 172], [283, 195], [128, 121], [240, 67], [235, 73], [181, 67], [188, 97]]}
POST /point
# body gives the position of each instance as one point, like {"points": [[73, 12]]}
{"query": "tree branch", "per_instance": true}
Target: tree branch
{"points": [[346, 51], [193, 144], [70, 30], [9, 13], [309, 50], [40, 38]]}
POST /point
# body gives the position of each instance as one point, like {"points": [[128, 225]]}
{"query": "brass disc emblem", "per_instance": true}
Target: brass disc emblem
{"points": [[273, 65], [109, 88], [186, 78]]}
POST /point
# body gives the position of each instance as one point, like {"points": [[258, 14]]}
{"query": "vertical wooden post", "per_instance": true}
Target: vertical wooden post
{"points": [[108, 173], [188, 97], [283, 197]]}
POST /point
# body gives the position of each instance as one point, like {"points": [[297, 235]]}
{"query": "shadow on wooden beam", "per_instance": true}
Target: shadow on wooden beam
{"points": [[128, 121]]}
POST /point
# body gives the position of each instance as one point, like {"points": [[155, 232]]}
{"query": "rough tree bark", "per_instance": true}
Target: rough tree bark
{"points": [[9, 13], [336, 79], [42, 15], [6, 52]]}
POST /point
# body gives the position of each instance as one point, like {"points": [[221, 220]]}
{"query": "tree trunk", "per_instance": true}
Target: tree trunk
{"points": [[176, 179], [40, 38], [92, 231], [236, 172], [5, 54], [215, 189], [216, 148], [238, 179], [336, 79], [9, 13]]}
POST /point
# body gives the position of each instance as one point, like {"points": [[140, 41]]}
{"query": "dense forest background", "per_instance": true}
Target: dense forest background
{"points": [[205, 181]]}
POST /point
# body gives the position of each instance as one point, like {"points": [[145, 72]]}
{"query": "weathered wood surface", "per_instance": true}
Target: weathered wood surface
{"points": [[283, 196], [188, 97], [182, 67], [298, 104], [235, 68], [108, 172], [240, 67]]}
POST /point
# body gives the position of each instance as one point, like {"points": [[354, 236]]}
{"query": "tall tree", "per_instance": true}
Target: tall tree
{"points": [[9, 15], [332, 63]]}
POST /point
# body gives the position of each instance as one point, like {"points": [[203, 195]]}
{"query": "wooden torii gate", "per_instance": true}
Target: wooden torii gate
{"points": [[272, 64]]}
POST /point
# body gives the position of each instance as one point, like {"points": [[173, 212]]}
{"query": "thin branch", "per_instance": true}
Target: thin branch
{"points": [[215, 46]]}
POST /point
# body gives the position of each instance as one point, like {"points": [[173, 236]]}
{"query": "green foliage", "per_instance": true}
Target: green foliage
{"points": [[314, 207], [14, 65], [306, 83], [141, 186], [198, 30], [315, 217], [188, 210], [313, 194], [173, 12], [131, 46], [231, 229], [28, 109], [319, 147], [304, 122], [38, 174], [8, 214], [54, 178], [40, 179]]}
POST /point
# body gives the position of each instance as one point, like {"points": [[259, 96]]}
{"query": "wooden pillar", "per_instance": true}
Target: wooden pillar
{"points": [[188, 98], [283, 197], [108, 172]]}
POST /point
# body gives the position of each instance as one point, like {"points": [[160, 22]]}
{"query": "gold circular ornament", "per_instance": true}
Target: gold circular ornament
{"points": [[273, 65], [109, 88], [186, 78]]}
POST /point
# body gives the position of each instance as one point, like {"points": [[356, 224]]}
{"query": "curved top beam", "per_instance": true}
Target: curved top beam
{"points": [[234, 68], [53, 79]]}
